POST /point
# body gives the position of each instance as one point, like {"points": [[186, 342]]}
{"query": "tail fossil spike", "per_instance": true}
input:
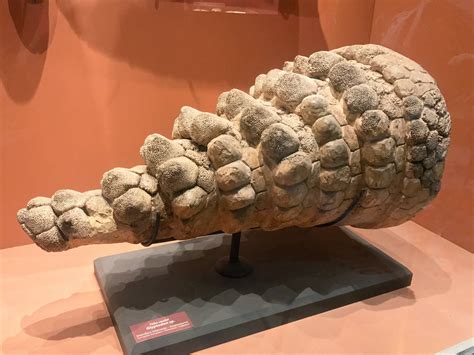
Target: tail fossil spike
{"points": [[296, 151]]}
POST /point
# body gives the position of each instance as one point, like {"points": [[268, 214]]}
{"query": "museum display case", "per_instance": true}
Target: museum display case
{"points": [[270, 157]]}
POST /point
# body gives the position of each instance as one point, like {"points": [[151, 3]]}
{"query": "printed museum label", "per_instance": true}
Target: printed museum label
{"points": [[158, 327]]}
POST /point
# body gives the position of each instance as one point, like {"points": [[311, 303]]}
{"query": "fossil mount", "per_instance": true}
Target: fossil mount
{"points": [[356, 135]]}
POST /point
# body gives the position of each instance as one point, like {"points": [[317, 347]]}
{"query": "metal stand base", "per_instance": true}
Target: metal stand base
{"points": [[234, 266], [305, 272]]}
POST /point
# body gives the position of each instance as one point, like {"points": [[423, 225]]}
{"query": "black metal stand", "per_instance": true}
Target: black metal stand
{"points": [[279, 290], [234, 266]]}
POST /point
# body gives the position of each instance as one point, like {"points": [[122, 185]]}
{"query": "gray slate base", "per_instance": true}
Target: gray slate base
{"points": [[297, 273]]}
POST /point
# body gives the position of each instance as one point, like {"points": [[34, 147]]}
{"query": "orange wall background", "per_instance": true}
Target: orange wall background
{"points": [[83, 83], [439, 34]]}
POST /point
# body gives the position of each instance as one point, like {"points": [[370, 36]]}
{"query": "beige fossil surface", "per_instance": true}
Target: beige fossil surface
{"points": [[353, 136]]}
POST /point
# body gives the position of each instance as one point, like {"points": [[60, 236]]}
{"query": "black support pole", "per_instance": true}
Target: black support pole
{"points": [[234, 248], [234, 266]]}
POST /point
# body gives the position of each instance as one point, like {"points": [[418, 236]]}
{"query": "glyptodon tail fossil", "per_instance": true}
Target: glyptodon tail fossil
{"points": [[355, 136]]}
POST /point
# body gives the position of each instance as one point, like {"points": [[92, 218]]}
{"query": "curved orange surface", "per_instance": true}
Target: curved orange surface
{"points": [[83, 83]]}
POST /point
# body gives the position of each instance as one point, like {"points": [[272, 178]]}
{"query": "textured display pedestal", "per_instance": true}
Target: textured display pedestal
{"points": [[169, 298]]}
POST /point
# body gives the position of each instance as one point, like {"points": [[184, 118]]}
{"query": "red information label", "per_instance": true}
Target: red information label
{"points": [[159, 327]]}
